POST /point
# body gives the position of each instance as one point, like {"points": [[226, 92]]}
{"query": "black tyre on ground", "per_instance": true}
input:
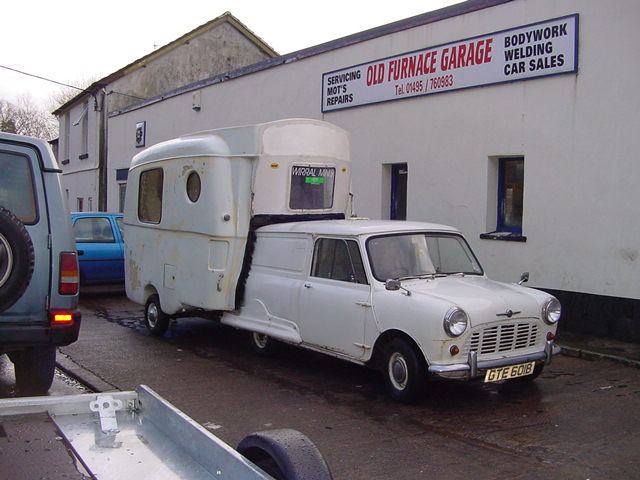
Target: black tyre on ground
{"points": [[404, 371], [155, 319], [34, 369], [285, 455], [16, 259]]}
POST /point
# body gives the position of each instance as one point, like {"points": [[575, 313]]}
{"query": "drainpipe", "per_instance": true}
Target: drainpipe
{"points": [[101, 105]]}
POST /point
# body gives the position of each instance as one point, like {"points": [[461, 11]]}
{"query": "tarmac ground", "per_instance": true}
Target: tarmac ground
{"points": [[518, 433]]}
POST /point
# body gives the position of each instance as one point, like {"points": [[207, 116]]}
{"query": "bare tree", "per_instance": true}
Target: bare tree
{"points": [[62, 96], [7, 117], [26, 118]]}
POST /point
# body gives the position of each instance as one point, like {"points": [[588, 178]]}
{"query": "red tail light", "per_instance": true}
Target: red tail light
{"points": [[62, 318], [69, 276]]}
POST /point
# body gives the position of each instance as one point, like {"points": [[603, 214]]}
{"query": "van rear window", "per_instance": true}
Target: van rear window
{"points": [[16, 190], [150, 196], [311, 187]]}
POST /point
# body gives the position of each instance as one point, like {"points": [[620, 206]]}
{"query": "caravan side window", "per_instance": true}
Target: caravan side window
{"points": [[150, 196]]}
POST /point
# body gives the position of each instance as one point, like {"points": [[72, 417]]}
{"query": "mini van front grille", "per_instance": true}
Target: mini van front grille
{"points": [[505, 337]]}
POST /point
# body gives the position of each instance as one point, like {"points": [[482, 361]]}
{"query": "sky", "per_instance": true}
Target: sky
{"points": [[73, 41]]}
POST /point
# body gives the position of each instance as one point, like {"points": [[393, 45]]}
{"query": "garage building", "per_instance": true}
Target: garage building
{"points": [[514, 120]]}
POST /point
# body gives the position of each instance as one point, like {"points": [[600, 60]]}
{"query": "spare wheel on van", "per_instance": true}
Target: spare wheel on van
{"points": [[16, 259]]}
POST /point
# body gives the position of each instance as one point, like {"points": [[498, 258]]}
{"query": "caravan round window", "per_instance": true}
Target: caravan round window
{"points": [[193, 186]]}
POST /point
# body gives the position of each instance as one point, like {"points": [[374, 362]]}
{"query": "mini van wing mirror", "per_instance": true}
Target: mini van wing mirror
{"points": [[524, 278], [392, 284]]}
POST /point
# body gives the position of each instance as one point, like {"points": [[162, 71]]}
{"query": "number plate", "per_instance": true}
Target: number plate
{"points": [[510, 371]]}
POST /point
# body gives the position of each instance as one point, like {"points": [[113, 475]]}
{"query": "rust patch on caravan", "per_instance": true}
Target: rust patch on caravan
{"points": [[133, 272]]}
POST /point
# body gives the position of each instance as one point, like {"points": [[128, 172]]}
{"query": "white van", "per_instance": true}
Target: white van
{"points": [[409, 298]]}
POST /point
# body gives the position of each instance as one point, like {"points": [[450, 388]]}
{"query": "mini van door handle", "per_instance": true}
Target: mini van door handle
{"points": [[308, 285]]}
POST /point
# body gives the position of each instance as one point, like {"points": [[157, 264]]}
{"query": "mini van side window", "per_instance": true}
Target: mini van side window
{"points": [[338, 259], [16, 190], [150, 196]]}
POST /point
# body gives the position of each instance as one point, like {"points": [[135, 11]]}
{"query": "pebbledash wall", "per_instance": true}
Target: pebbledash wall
{"points": [[449, 93]]}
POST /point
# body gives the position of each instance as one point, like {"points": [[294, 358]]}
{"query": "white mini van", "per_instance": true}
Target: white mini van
{"points": [[409, 298]]}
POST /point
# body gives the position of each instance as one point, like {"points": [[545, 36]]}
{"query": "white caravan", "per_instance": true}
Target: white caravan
{"points": [[248, 225], [192, 202]]}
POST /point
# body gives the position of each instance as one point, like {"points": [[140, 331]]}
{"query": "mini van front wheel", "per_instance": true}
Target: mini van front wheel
{"points": [[403, 371], [155, 319]]}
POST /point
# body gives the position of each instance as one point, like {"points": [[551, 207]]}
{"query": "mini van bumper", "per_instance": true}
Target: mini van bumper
{"points": [[473, 367]]}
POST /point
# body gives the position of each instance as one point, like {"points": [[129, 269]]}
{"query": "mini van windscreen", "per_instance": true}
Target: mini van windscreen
{"points": [[420, 254], [16, 189], [311, 187]]}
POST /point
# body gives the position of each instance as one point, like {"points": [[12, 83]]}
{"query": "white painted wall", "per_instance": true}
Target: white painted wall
{"points": [[578, 134], [78, 156]]}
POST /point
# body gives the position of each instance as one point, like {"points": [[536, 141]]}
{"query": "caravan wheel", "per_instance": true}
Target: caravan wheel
{"points": [[155, 319]]}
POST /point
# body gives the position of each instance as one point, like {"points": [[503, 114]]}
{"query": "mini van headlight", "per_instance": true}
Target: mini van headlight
{"points": [[455, 322], [551, 311]]}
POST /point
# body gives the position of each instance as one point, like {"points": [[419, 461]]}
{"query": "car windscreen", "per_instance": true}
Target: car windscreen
{"points": [[420, 254]]}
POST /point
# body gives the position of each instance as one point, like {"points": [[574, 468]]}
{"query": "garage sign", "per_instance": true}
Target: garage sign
{"points": [[522, 53]]}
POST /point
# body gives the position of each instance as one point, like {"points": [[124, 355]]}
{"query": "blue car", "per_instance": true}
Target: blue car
{"points": [[100, 246]]}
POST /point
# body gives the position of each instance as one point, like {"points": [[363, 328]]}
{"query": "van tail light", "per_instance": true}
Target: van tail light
{"points": [[69, 276], [61, 318]]}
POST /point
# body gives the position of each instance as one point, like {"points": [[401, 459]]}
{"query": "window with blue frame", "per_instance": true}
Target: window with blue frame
{"points": [[510, 200], [399, 174], [510, 194]]}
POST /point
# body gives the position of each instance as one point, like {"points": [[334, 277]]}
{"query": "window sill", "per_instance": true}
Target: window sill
{"points": [[504, 236]]}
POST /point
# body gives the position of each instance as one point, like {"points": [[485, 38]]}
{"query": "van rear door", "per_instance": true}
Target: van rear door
{"points": [[22, 193]]}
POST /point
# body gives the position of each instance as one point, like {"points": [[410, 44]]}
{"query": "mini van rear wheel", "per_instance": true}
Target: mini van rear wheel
{"points": [[17, 259], [262, 344]]}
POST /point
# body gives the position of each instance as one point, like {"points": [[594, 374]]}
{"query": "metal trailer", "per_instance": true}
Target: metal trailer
{"points": [[139, 435]]}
